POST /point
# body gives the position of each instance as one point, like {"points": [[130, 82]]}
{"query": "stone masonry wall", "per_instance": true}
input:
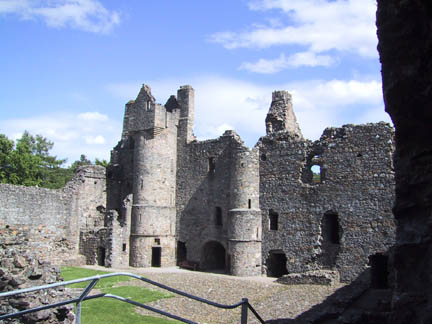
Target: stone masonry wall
{"points": [[44, 216], [356, 187], [405, 47], [52, 219]]}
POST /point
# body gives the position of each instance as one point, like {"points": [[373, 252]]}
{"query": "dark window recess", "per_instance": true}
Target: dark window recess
{"points": [[218, 214], [124, 247], [249, 203], [156, 256], [157, 241], [330, 228], [263, 157], [379, 271], [276, 264], [274, 220], [212, 165]]}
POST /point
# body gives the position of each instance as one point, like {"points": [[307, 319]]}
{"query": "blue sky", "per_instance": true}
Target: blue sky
{"points": [[69, 66]]}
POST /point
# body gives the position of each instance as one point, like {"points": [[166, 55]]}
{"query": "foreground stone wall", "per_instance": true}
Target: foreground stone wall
{"points": [[404, 32]]}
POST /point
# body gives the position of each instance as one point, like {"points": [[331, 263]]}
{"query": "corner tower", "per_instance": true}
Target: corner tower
{"points": [[245, 225], [154, 131]]}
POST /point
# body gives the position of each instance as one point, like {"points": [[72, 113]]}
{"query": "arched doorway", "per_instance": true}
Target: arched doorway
{"points": [[213, 256]]}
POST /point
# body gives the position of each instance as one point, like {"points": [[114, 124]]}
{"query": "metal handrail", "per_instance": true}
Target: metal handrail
{"points": [[244, 303]]}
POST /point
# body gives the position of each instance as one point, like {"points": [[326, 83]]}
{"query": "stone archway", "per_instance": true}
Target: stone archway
{"points": [[213, 256]]}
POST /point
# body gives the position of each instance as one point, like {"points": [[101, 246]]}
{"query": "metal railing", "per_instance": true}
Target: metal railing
{"points": [[244, 304]]}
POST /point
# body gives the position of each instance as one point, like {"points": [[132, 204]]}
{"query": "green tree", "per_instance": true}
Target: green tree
{"points": [[103, 162], [29, 162], [6, 148], [81, 162]]}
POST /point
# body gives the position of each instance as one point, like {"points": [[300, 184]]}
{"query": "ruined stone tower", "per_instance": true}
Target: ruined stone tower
{"points": [[154, 131]]}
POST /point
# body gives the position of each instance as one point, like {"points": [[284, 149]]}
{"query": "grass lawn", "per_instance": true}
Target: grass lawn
{"points": [[107, 310]]}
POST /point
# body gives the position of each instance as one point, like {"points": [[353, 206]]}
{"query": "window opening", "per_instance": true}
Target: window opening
{"points": [[218, 218], [157, 241], [379, 271], [316, 173], [274, 219], [330, 228], [124, 247], [212, 165], [156, 256], [249, 203], [263, 157]]}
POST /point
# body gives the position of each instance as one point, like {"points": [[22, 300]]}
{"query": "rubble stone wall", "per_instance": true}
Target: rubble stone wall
{"points": [[356, 187]]}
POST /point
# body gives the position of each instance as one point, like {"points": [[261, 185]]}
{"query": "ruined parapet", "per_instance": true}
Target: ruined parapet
{"points": [[281, 115], [244, 231], [144, 114]]}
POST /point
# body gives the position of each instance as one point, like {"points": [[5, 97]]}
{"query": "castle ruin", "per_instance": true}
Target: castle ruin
{"points": [[168, 198]]}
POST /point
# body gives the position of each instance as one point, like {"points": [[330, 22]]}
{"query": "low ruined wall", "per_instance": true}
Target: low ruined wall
{"points": [[50, 220], [42, 215]]}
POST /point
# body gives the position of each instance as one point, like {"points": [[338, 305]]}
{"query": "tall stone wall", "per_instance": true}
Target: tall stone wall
{"points": [[203, 185], [335, 221]]}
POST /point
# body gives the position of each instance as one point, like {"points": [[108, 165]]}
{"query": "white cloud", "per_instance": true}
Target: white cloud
{"points": [[72, 134], [319, 26], [296, 60], [99, 139], [87, 15], [223, 103], [93, 116]]}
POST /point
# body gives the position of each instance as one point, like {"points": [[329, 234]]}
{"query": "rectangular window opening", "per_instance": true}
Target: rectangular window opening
{"points": [[218, 218], [212, 165]]}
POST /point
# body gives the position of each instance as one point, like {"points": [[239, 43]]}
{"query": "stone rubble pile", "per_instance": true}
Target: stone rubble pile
{"points": [[20, 268]]}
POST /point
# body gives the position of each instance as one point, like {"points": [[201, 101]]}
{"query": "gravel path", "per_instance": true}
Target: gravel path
{"points": [[270, 299]]}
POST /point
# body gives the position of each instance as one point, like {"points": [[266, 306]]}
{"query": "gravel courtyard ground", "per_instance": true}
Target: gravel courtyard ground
{"points": [[270, 299]]}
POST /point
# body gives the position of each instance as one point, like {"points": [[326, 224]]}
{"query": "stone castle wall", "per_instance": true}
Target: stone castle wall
{"points": [[167, 198], [51, 220], [43, 216], [356, 187]]}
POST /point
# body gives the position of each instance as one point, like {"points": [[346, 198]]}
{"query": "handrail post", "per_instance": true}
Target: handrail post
{"points": [[244, 311], [83, 295]]}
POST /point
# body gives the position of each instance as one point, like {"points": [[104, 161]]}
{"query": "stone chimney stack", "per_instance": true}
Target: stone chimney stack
{"points": [[281, 115]]}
